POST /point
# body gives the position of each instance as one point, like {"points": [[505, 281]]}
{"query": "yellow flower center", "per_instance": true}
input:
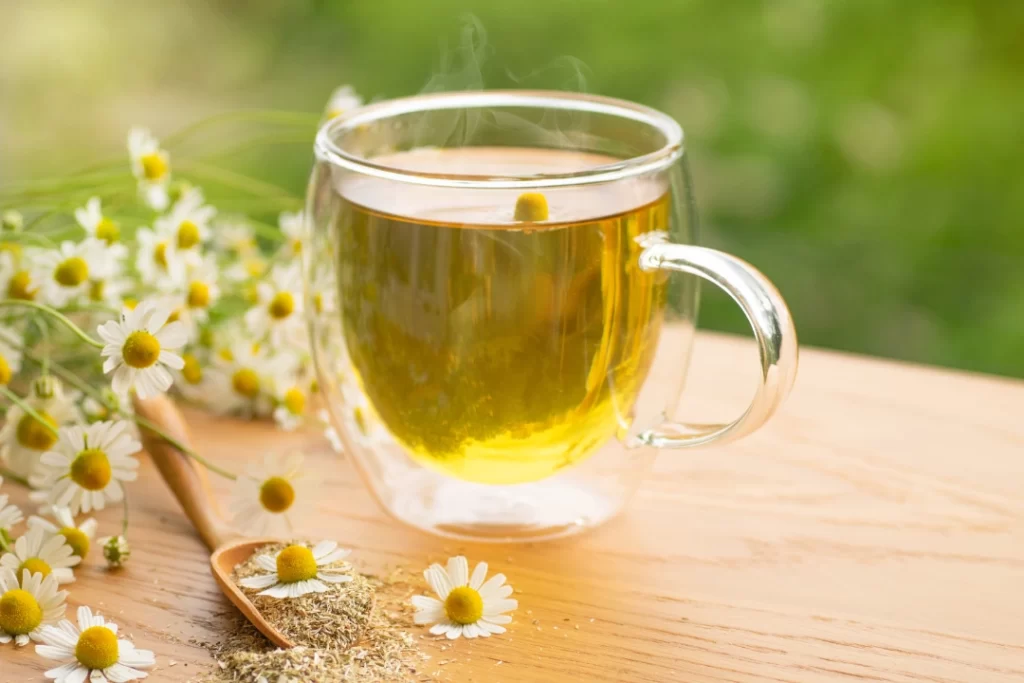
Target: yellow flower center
{"points": [[97, 648], [226, 354], [91, 469], [192, 372], [198, 294], [154, 167], [34, 434], [5, 370], [11, 248], [464, 605], [277, 494], [35, 565], [20, 286], [20, 612], [130, 303], [246, 382], [531, 206], [160, 254], [76, 539], [188, 235], [175, 316], [295, 563], [294, 401], [71, 272], [96, 288], [107, 231], [296, 247], [281, 306], [141, 349], [255, 267]]}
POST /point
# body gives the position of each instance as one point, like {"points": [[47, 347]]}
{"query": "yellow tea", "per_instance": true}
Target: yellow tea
{"points": [[497, 350]]}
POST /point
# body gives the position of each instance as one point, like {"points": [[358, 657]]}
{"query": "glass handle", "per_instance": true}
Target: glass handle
{"points": [[773, 329]]}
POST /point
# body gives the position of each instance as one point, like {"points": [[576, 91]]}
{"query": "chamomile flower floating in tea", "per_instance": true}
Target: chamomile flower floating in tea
{"points": [[95, 224], [138, 347], [91, 650], [38, 554], [278, 310], [78, 536], [151, 167], [468, 605], [23, 438], [531, 207], [28, 606], [297, 570], [268, 498], [87, 465]]}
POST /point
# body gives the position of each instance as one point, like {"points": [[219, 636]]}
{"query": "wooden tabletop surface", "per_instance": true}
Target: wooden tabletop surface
{"points": [[874, 530]]}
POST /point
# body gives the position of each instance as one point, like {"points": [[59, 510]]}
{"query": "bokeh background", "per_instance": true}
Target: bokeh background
{"points": [[866, 154]]}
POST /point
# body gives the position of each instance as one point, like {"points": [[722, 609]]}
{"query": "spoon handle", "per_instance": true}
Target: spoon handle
{"points": [[183, 475]]}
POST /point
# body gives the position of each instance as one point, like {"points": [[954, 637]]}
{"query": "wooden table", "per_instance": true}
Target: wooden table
{"points": [[873, 531]]}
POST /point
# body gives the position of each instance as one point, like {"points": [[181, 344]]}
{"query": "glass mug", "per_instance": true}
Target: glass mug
{"points": [[487, 286]]}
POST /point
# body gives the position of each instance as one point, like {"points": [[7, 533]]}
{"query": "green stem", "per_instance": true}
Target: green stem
{"points": [[16, 478], [29, 410], [146, 424], [55, 314], [124, 517]]}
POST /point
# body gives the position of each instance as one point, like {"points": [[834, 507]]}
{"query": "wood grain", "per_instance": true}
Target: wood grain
{"points": [[873, 531]]}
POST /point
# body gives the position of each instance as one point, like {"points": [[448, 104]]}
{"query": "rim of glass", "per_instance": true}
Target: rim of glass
{"points": [[327, 150]]}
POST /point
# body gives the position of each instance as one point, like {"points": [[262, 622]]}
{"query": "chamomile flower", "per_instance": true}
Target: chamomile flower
{"points": [[468, 605], [197, 380], [38, 554], [87, 465], [9, 514], [297, 570], [64, 273], [188, 224], [16, 281], [23, 439], [95, 224], [293, 229], [158, 260], [234, 236], [91, 650], [137, 349], [78, 536], [198, 292], [29, 606], [116, 550], [278, 310], [247, 267], [342, 100], [248, 373], [151, 167], [10, 353], [291, 398], [267, 499]]}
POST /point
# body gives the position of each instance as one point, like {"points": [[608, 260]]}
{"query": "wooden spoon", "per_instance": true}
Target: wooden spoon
{"points": [[187, 481]]}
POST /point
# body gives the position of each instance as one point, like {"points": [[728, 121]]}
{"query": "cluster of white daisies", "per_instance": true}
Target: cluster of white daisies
{"points": [[181, 298], [469, 605]]}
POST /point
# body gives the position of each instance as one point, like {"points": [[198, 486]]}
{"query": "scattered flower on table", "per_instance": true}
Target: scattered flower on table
{"points": [[88, 465], [78, 536], [137, 349], [151, 167], [468, 605], [28, 606], [91, 650], [270, 497], [292, 398], [41, 555], [116, 550], [297, 570]]}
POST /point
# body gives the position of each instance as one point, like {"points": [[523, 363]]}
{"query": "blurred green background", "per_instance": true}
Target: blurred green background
{"points": [[866, 154]]}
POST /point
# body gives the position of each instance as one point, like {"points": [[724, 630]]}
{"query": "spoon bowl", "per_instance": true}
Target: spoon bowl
{"points": [[222, 563]]}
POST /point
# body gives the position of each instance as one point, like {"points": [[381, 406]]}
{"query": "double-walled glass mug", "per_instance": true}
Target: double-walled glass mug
{"points": [[488, 278]]}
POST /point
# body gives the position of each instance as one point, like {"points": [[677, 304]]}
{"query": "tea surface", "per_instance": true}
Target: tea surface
{"points": [[496, 351]]}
